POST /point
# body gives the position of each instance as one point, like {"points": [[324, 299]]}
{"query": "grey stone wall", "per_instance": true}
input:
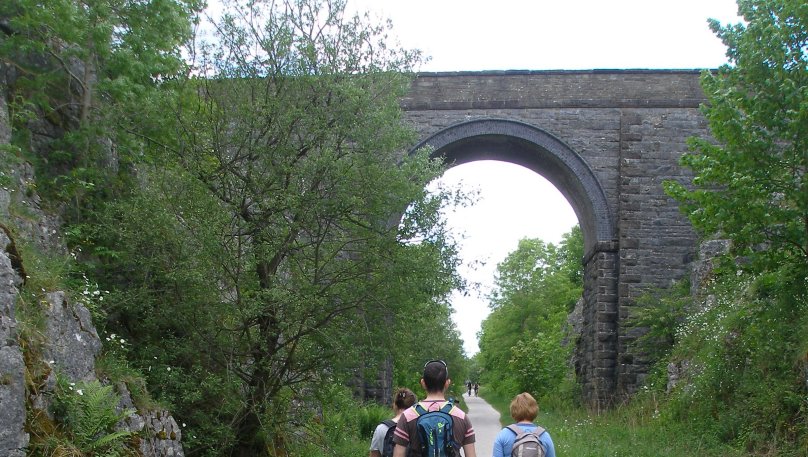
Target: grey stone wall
{"points": [[657, 243], [597, 347], [13, 439], [631, 128]]}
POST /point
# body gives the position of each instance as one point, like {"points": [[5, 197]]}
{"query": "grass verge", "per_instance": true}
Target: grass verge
{"points": [[632, 430]]}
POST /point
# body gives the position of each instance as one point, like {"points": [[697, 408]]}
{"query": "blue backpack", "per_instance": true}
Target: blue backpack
{"points": [[435, 432]]}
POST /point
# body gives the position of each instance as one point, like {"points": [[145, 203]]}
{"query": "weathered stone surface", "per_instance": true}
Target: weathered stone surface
{"points": [[13, 438], [160, 436], [702, 268], [159, 433], [676, 371], [5, 122], [72, 342], [36, 226], [575, 322]]}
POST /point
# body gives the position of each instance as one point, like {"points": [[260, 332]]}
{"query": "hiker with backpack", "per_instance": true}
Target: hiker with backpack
{"points": [[434, 427], [524, 438], [381, 445]]}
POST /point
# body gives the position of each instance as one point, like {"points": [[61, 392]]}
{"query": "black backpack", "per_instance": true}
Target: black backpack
{"points": [[435, 432], [389, 445]]}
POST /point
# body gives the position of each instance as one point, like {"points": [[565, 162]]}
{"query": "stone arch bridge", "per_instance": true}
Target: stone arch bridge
{"points": [[607, 139]]}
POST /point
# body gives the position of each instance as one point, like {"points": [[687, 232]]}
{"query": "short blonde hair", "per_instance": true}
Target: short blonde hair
{"points": [[524, 407]]}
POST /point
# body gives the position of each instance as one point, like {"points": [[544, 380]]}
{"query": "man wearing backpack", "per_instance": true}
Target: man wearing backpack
{"points": [[434, 427], [524, 438]]}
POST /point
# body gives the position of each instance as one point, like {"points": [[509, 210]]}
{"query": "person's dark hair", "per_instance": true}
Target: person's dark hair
{"points": [[403, 398], [435, 375]]}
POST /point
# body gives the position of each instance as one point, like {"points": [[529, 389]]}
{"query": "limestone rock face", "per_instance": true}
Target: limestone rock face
{"points": [[161, 436], [701, 272], [37, 227], [676, 371], [159, 433], [703, 267], [72, 342], [13, 438]]}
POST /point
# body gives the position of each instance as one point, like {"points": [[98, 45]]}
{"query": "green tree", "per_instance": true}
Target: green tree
{"points": [[521, 340], [263, 254], [86, 77], [752, 185], [99, 50]]}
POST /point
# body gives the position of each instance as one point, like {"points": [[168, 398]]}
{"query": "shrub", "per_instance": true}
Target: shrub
{"points": [[745, 384]]}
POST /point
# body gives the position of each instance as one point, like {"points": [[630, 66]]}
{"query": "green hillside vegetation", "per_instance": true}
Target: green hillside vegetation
{"points": [[233, 212]]}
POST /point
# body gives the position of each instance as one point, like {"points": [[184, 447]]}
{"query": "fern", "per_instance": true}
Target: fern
{"points": [[89, 414]]}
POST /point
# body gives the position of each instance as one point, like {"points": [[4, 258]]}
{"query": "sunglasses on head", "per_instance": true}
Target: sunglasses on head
{"points": [[437, 361]]}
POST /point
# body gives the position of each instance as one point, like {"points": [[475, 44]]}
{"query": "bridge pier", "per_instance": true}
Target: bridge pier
{"points": [[597, 347]]}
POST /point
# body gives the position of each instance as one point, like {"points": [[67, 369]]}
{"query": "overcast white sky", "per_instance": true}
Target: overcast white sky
{"points": [[470, 35]]}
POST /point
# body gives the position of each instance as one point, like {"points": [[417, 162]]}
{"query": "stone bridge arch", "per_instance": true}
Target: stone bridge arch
{"points": [[607, 139], [522, 144]]}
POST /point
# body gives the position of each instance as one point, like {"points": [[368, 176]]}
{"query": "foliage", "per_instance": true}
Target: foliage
{"points": [[521, 345], [257, 254], [541, 363], [87, 76], [752, 186], [659, 313], [106, 53], [88, 413], [745, 351], [344, 427]]}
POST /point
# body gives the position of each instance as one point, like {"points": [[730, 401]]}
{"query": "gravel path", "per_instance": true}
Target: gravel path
{"points": [[485, 420]]}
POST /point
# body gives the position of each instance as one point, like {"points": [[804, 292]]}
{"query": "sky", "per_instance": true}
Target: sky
{"points": [[476, 35]]}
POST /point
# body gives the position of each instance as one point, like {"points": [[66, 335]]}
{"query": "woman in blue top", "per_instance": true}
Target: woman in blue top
{"points": [[523, 410]]}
